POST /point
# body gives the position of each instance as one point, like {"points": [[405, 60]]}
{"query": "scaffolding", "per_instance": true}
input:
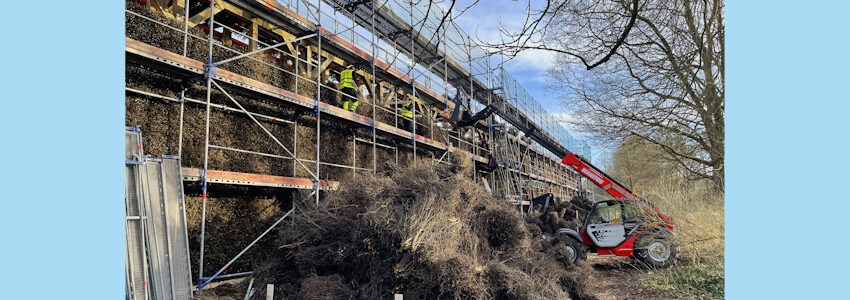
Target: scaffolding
{"points": [[157, 257], [401, 49]]}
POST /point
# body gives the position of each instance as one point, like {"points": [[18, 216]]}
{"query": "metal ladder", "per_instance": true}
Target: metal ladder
{"points": [[157, 253]]}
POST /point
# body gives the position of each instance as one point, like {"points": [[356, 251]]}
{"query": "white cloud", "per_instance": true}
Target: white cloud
{"points": [[563, 117], [532, 60], [483, 21], [565, 120]]}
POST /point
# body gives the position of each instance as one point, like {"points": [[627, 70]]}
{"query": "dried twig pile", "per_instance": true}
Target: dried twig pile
{"points": [[426, 232]]}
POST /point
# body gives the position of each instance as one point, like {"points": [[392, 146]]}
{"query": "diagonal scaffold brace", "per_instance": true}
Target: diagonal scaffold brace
{"points": [[209, 279]]}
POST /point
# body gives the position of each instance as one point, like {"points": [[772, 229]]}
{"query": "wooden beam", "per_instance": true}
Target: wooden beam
{"points": [[178, 7], [420, 108], [255, 35], [309, 66], [155, 5], [323, 68], [369, 85], [226, 37], [389, 97], [290, 45], [286, 36], [203, 15]]}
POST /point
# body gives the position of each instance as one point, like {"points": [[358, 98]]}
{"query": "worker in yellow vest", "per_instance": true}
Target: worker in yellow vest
{"points": [[406, 112], [348, 88]]}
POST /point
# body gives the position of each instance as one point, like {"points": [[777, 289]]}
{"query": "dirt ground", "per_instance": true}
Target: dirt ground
{"points": [[610, 278], [617, 278]]}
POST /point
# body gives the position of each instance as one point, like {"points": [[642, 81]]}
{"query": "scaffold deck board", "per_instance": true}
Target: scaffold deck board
{"points": [[237, 178]]}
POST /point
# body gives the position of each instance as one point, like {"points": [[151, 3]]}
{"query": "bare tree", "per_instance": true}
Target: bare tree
{"points": [[665, 84], [652, 69]]}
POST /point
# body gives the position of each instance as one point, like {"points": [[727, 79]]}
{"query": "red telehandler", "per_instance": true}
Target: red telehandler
{"points": [[626, 225]]}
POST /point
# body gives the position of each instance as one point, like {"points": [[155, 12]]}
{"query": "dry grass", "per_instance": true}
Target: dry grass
{"points": [[699, 217], [425, 231]]}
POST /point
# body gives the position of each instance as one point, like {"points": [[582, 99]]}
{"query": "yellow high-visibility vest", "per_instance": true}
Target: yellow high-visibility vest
{"points": [[406, 110], [346, 79]]}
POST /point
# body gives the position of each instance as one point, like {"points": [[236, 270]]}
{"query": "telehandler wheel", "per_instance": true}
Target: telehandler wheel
{"points": [[655, 249], [574, 250]]}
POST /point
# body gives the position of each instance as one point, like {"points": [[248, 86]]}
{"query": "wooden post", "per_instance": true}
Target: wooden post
{"points": [[309, 60], [369, 84], [202, 16], [255, 35], [270, 292], [178, 7], [226, 37], [323, 70]]}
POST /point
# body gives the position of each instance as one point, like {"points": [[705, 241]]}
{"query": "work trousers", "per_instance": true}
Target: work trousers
{"points": [[354, 102]]}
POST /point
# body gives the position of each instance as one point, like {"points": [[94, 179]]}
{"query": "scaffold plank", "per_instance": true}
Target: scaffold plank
{"points": [[237, 178]]}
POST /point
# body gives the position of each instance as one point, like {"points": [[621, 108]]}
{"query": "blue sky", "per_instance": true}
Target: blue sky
{"points": [[530, 67]]}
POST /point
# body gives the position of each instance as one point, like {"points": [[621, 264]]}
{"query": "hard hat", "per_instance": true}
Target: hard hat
{"points": [[349, 66]]}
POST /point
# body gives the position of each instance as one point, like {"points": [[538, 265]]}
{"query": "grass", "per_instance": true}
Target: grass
{"points": [[703, 281], [698, 213]]}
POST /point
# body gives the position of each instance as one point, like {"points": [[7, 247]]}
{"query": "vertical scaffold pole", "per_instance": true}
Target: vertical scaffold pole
{"points": [[295, 146], [472, 129], [183, 91], [318, 98], [412, 80], [297, 64], [448, 132], [186, 27], [180, 130], [208, 78], [376, 88], [490, 121]]}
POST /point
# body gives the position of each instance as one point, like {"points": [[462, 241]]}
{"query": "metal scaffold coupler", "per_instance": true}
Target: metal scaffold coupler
{"points": [[209, 72]]}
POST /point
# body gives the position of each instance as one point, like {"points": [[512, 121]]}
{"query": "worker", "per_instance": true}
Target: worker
{"points": [[407, 112], [348, 88]]}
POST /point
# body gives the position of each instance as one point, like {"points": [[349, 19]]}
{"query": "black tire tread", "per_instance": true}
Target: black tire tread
{"points": [[642, 254]]}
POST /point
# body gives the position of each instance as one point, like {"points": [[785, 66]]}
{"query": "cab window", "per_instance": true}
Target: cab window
{"points": [[631, 212], [607, 213]]}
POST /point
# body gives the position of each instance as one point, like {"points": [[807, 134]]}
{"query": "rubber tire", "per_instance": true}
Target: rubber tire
{"points": [[578, 248], [655, 239]]}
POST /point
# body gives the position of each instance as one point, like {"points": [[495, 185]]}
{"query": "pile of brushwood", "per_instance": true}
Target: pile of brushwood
{"points": [[425, 231], [559, 214]]}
